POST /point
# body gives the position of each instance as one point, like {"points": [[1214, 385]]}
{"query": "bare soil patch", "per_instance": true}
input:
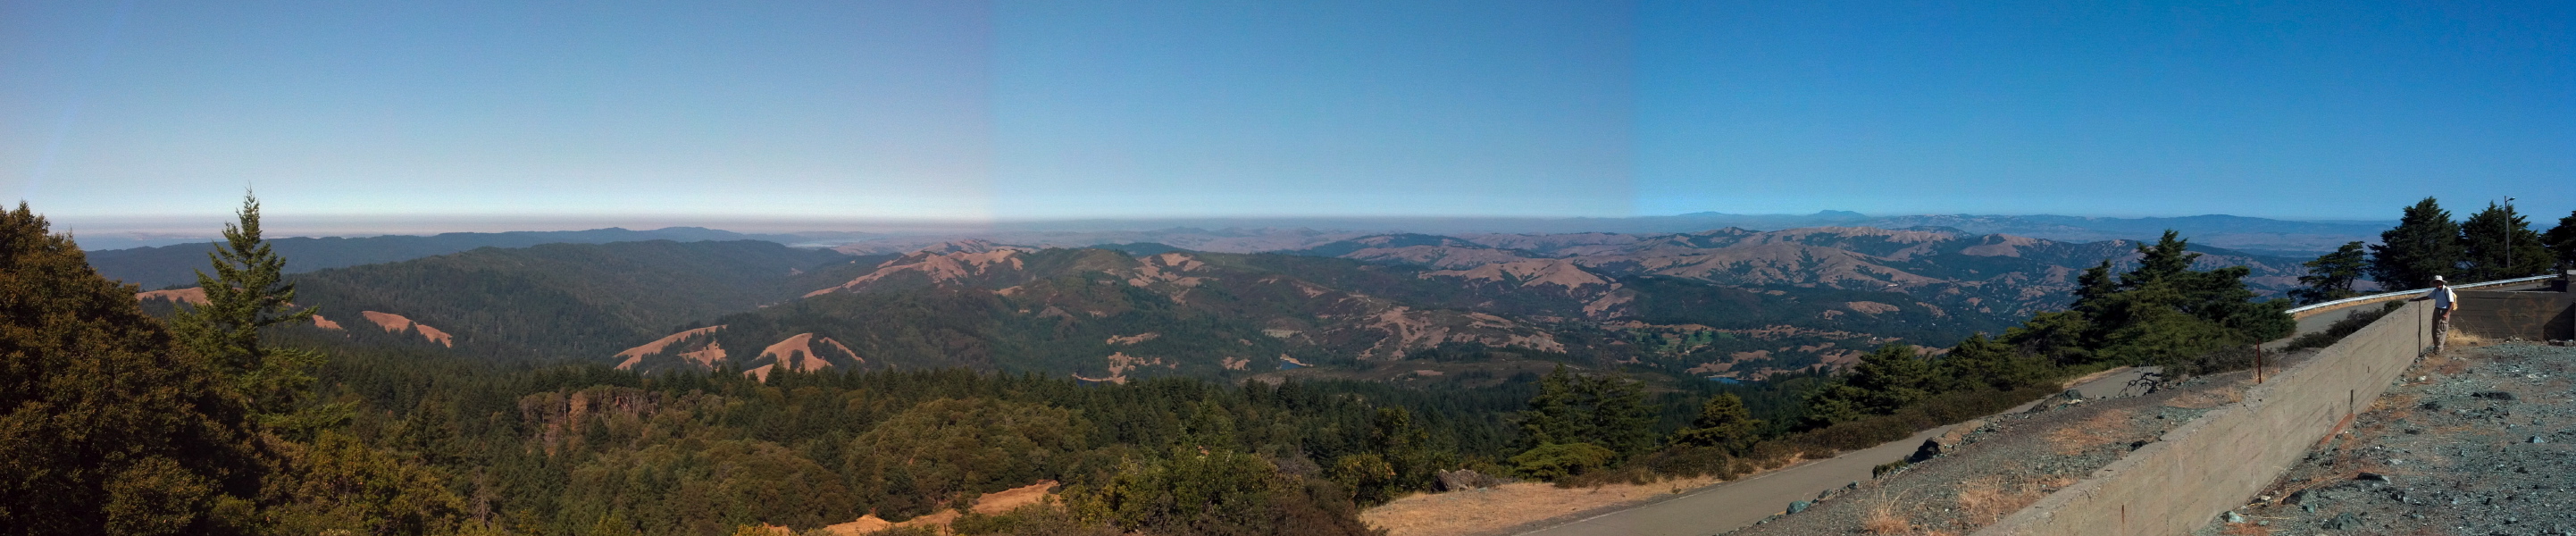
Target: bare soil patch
{"points": [[1489, 510]]}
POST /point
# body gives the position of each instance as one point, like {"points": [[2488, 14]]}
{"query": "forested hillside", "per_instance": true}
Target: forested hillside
{"points": [[559, 300], [952, 374], [1731, 304], [1107, 315], [1970, 274]]}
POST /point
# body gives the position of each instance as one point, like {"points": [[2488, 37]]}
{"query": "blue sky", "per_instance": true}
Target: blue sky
{"points": [[1036, 110]]}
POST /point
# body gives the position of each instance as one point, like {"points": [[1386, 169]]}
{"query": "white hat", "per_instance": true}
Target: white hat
{"points": [[2437, 279]]}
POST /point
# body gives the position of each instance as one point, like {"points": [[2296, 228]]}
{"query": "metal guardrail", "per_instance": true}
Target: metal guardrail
{"points": [[2357, 300]]}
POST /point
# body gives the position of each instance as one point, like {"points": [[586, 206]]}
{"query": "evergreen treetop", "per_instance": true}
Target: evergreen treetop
{"points": [[106, 425], [249, 293], [2424, 244], [1723, 423], [2499, 244], [2562, 239], [2330, 276]]}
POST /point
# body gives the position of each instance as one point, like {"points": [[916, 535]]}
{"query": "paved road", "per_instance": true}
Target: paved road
{"points": [[1736, 504]]}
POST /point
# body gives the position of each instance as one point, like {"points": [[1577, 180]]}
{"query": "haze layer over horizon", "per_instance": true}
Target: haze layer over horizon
{"points": [[1011, 111]]}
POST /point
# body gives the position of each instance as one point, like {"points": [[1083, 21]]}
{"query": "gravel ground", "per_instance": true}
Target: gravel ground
{"points": [[2478, 441], [2008, 462]]}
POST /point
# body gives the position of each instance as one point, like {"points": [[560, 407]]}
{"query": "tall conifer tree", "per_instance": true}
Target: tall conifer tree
{"points": [[2562, 239], [248, 293], [2424, 244], [1723, 423], [107, 426], [2330, 277], [2501, 245]]}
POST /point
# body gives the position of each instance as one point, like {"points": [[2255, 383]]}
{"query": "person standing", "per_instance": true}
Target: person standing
{"points": [[2444, 299]]}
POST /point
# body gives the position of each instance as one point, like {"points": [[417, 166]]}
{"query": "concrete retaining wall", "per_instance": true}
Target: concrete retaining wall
{"points": [[2218, 461], [2530, 316]]}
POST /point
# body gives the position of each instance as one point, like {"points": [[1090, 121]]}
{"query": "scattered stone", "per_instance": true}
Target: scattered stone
{"points": [[2447, 440], [1797, 506], [2233, 517], [1465, 479], [1947, 442], [2343, 521]]}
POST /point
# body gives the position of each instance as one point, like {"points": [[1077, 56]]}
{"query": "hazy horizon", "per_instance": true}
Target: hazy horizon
{"points": [[120, 233], [1001, 111]]}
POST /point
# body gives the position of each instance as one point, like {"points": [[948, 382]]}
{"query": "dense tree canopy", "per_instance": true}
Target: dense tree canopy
{"points": [[2330, 276], [110, 427], [239, 425], [2562, 239], [2424, 244], [2499, 244]]}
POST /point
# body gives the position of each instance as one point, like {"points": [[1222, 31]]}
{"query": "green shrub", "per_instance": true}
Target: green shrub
{"points": [[1555, 461], [1368, 476]]}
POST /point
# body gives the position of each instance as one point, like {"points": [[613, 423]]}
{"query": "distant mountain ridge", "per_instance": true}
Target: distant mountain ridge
{"points": [[1999, 274], [1109, 315], [1729, 302], [1247, 235], [157, 267]]}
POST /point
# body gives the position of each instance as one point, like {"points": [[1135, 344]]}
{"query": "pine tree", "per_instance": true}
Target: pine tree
{"points": [[2160, 311], [107, 426], [2424, 244], [1601, 410], [1399, 459], [1981, 363], [1552, 417], [2330, 277], [2562, 239], [2501, 245], [1405, 445], [1723, 423], [1621, 418], [249, 293], [1894, 376], [2165, 260], [1887, 379]]}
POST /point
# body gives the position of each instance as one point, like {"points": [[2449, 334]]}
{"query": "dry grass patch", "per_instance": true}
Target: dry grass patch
{"points": [[1508, 505], [2460, 339], [2103, 428], [2443, 363], [2246, 529], [1983, 500], [1887, 518], [1883, 519]]}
